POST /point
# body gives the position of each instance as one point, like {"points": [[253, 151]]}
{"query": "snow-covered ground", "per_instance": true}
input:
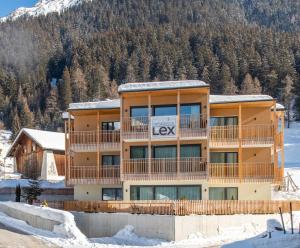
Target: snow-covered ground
{"points": [[67, 234], [12, 183], [292, 145]]}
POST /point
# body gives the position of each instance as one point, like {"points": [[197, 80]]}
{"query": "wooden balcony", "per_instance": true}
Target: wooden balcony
{"points": [[91, 141], [164, 169], [190, 126], [251, 135], [260, 171], [93, 175]]}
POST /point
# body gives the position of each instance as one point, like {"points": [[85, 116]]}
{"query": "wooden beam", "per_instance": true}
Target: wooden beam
{"points": [[69, 148], [98, 147], [178, 131], [275, 154], [240, 156], [149, 135]]}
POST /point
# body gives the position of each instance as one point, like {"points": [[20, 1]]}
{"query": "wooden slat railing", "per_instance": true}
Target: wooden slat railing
{"points": [[223, 170], [189, 126], [166, 168], [257, 134], [250, 135], [186, 207], [279, 140], [90, 140], [90, 174]]}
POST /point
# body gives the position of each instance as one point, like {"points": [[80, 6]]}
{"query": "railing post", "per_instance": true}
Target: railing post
{"points": [[178, 134], [98, 150], [149, 134]]}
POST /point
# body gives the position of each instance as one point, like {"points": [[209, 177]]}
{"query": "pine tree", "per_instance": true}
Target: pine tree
{"points": [[230, 88], [205, 76], [250, 86], [67, 92], [288, 96], [18, 193], [31, 193]]}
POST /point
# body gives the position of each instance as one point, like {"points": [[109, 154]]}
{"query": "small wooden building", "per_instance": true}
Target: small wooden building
{"points": [[39, 154]]}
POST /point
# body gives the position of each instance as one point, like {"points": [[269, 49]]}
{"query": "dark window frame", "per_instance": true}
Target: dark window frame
{"points": [[154, 189], [145, 148], [113, 124], [115, 190], [226, 117], [226, 194], [226, 158], [133, 107], [113, 159]]}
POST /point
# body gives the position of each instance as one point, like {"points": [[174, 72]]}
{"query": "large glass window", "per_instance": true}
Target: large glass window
{"points": [[111, 160], [223, 193], [224, 157], [164, 152], [139, 111], [190, 109], [224, 121], [165, 110], [165, 192], [190, 151], [138, 152], [112, 194]]}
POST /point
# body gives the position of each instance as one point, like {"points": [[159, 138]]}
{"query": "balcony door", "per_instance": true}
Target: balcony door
{"points": [[223, 121], [110, 131], [224, 157], [190, 115]]}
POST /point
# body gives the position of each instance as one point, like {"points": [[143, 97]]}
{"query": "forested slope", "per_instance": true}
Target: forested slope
{"points": [[238, 46]]}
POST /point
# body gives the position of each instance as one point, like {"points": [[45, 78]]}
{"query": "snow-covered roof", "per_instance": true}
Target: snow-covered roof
{"points": [[238, 98], [108, 104], [65, 115], [163, 85], [45, 139], [279, 107]]}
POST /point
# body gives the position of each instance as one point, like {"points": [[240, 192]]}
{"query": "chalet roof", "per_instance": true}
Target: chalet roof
{"points": [[163, 85], [280, 107], [65, 115], [107, 104], [45, 139], [214, 99]]}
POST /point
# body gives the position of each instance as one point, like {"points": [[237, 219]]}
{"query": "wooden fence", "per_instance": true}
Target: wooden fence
{"points": [[198, 207]]}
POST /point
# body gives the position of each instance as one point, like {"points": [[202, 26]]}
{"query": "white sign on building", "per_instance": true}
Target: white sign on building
{"points": [[163, 126]]}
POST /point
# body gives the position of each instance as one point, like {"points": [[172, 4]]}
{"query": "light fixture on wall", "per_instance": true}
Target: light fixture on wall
{"points": [[255, 191]]}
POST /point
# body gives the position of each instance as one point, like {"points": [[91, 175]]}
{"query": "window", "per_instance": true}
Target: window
{"points": [[222, 193], [190, 109], [138, 152], [190, 151], [165, 192], [165, 110], [114, 194], [111, 160], [224, 157], [164, 152], [224, 121], [139, 111], [110, 126]]}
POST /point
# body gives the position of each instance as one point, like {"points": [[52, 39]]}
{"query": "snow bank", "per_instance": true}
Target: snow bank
{"points": [[66, 229]]}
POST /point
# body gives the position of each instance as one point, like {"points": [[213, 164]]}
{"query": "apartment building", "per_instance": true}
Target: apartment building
{"points": [[173, 140]]}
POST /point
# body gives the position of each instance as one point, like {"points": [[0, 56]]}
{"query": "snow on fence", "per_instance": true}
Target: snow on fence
{"points": [[200, 207]]}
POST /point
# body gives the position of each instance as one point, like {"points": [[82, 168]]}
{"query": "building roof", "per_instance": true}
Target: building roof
{"points": [[45, 139], [65, 115], [107, 104], [280, 107], [163, 85], [214, 99]]}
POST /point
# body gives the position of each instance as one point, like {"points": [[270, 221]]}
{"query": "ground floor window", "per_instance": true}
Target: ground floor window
{"points": [[113, 194], [223, 193], [165, 192]]}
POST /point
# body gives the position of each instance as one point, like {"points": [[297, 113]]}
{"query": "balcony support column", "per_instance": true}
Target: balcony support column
{"points": [[240, 156], [275, 155], [207, 109], [149, 135], [98, 147], [178, 133], [69, 149]]}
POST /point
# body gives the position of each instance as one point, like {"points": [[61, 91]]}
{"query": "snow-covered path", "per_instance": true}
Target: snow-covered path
{"points": [[14, 238]]}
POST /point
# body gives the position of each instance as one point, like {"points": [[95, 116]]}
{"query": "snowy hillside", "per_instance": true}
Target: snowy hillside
{"points": [[43, 7], [5, 164], [291, 145]]}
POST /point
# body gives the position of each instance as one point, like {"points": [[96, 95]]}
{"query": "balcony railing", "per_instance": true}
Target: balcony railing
{"points": [[92, 174], [93, 140], [250, 171], [189, 126], [221, 136], [166, 168]]}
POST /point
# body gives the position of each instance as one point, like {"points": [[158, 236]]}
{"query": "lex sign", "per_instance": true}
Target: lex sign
{"points": [[163, 126]]}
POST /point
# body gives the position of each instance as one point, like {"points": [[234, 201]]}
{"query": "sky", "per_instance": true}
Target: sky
{"points": [[7, 6]]}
